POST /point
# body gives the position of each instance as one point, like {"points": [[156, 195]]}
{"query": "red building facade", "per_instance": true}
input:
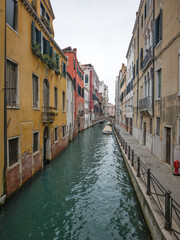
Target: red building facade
{"points": [[77, 75]]}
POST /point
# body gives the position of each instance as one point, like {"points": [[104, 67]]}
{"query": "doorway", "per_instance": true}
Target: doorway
{"points": [[144, 134], [46, 145], [168, 145]]}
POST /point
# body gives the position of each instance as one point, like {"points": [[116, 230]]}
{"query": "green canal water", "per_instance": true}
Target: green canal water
{"points": [[85, 193]]}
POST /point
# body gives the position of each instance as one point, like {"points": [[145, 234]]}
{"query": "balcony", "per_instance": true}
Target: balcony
{"points": [[147, 58], [145, 104], [48, 114]]}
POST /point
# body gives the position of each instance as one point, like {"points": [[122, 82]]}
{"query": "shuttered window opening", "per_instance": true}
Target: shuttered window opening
{"points": [[64, 131], [11, 84], [63, 99], [86, 78], [35, 142], [157, 29], [158, 126], [63, 68], [13, 151], [35, 91], [55, 97], [12, 13], [55, 134]]}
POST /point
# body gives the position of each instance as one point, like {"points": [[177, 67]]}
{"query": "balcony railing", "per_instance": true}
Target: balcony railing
{"points": [[48, 114], [148, 57], [145, 104]]}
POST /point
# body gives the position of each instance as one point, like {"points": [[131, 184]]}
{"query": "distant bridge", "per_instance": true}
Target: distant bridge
{"points": [[102, 118]]}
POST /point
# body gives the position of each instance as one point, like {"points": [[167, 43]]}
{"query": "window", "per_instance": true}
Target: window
{"points": [[11, 84], [158, 29], [63, 96], [42, 10], [35, 142], [141, 120], [86, 78], [55, 97], [13, 151], [56, 134], [35, 91], [141, 60], [74, 63], [12, 13], [158, 126], [158, 83], [64, 131], [63, 68], [142, 21], [145, 11], [150, 125]]}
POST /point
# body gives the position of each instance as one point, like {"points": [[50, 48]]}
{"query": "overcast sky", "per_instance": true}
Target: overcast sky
{"points": [[100, 30]]}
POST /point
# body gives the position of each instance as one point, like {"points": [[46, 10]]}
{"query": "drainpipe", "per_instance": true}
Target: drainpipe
{"points": [[138, 70], [5, 110], [153, 63]]}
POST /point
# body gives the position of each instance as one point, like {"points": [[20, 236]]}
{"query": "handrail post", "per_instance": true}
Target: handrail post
{"points": [[148, 190], [129, 152], [168, 223], [132, 162], [126, 148], [138, 167]]}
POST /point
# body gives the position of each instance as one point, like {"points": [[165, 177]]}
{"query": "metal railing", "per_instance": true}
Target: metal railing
{"points": [[145, 103], [148, 57], [48, 114], [168, 207]]}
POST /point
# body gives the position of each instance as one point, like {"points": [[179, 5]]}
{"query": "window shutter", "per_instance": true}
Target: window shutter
{"points": [[38, 36], [51, 51], [154, 33], [160, 25], [33, 33]]}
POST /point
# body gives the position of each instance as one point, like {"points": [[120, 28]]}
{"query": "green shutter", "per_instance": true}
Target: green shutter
{"points": [[51, 51], [160, 25], [154, 33], [33, 33]]}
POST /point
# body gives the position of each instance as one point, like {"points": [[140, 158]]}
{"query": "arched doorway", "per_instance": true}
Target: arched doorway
{"points": [[46, 145]]}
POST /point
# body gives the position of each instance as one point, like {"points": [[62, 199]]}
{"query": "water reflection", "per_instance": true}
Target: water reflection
{"points": [[85, 193]]}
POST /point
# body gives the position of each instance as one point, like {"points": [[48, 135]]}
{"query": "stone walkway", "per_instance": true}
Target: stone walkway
{"points": [[160, 170]]}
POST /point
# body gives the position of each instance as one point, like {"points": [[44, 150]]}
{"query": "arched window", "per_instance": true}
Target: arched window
{"points": [[86, 78]]}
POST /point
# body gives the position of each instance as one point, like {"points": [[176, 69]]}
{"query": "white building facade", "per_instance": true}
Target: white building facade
{"points": [[70, 106], [129, 86]]}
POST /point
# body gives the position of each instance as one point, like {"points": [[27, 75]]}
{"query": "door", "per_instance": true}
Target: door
{"points": [[131, 126], [168, 145], [46, 145], [144, 135]]}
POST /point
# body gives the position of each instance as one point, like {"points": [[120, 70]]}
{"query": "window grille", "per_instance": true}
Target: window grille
{"points": [[13, 151], [35, 142]]}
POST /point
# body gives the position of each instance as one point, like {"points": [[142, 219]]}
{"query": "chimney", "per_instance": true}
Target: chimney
{"points": [[75, 50]]}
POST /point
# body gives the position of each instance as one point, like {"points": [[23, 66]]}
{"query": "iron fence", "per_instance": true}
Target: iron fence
{"points": [[168, 207]]}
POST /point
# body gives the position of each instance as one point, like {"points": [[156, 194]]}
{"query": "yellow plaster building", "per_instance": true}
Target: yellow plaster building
{"points": [[2, 77], [35, 90]]}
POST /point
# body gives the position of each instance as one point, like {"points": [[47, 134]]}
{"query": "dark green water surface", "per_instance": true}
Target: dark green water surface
{"points": [[84, 194]]}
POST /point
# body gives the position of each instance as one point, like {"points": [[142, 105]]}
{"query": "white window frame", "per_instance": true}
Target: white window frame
{"points": [[38, 104], [157, 84], [17, 106], [17, 163], [34, 153]]}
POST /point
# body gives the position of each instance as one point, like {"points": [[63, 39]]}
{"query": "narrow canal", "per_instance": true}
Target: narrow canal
{"points": [[85, 193]]}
